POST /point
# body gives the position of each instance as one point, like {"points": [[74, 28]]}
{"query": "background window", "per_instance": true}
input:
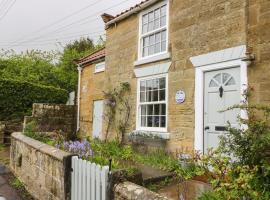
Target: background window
{"points": [[100, 67]]}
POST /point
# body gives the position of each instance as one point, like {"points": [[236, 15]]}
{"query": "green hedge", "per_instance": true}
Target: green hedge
{"points": [[17, 97]]}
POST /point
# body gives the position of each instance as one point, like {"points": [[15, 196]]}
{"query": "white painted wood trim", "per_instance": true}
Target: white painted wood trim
{"points": [[152, 70], [201, 66], [153, 58], [234, 53], [79, 68]]}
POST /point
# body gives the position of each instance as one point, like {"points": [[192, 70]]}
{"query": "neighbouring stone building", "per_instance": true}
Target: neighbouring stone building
{"points": [[185, 60]]}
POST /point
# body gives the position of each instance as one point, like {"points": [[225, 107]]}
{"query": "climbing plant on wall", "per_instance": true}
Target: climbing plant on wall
{"points": [[118, 110]]}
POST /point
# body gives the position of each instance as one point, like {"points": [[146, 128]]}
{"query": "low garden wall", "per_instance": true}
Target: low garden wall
{"points": [[53, 117], [43, 169], [130, 191]]}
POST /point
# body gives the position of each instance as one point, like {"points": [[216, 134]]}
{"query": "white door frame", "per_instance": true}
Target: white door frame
{"points": [[227, 58]]}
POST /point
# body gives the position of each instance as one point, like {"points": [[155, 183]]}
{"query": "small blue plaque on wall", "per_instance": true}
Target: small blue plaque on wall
{"points": [[180, 96]]}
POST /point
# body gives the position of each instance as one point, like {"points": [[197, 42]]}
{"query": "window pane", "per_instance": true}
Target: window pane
{"points": [[149, 85], [163, 109], [158, 37], [157, 48], [157, 109], [162, 95], [155, 95], [163, 46], [152, 50], [150, 121], [157, 13], [150, 109], [163, 35], [163, 21], [156, 121], [149, 96], [145, 19], [143, 110], [143, 121], [163, 10], [145, 41], [162, 83], [155, 83], [163, 121], [150, 26], [145, 51], [142, 96], [151, 16], [152, 40], [156, 24], [142, 86], [144, 28]]}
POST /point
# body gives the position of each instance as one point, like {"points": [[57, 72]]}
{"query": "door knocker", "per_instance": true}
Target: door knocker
{"points": [[221, 90]]}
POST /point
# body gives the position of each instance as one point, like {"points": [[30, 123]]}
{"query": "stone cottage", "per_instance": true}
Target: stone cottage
{"points": [[185, 60]]}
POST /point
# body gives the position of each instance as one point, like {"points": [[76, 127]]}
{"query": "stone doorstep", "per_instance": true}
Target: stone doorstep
{"points": [[153, 175]]}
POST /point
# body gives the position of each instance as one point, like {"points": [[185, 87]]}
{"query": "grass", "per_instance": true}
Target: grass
{"points": [[157, 186], [19, 186]]}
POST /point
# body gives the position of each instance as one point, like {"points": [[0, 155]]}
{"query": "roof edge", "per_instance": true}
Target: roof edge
{"points": [[82, 61], [135, 9]]}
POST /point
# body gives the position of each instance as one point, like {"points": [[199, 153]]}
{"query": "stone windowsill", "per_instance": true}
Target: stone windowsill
{"points": [[163, 56], [153, 134]]}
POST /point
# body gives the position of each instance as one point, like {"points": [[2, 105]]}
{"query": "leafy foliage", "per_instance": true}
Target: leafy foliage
{"points": [[47, 68], [33, 71], [247, 175], [17, 97]]}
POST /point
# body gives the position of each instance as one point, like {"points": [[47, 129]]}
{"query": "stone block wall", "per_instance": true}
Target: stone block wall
{"points": [[131, 191], [53, 117], [43, 169], [259, 44]]}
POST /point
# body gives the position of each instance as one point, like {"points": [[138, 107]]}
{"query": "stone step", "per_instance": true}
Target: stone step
{"points": [[153, 175]]}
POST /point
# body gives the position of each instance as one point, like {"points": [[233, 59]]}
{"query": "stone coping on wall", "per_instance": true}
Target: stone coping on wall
{"points": [[42, 147], [130, 191]]}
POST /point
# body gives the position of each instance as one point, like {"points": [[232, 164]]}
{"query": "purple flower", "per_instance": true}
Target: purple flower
{"points": [[81, 148]]}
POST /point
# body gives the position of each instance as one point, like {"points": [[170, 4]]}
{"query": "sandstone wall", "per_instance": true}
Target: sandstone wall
{"points": [[259, 43], [196, 27], [53, 117], [43, 169], [92, 87]]}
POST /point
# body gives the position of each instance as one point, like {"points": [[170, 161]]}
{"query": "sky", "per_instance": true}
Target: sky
{"points": [[50, 24]]}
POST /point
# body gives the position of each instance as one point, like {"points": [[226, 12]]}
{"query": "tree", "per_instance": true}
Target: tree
{"points": [[66, 71]]}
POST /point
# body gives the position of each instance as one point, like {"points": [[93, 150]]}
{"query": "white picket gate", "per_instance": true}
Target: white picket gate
{"points": [[88, 180]]}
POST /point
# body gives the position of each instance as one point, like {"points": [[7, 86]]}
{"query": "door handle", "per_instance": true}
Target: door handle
{"points": [[206, 128]]}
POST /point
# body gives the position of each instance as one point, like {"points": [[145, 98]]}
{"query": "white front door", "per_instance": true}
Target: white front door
{"points": [[97, 119], [222, 90]]}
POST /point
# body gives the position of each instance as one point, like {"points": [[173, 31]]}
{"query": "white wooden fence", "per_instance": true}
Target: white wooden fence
{"points": [[88, 180]]}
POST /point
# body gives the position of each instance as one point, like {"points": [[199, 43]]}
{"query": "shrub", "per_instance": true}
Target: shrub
{"points": [[17, 97], [247, 175]]}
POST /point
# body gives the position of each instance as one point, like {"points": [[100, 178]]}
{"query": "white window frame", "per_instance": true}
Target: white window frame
{"points": [[102, 64], [140, 40], [138, 119]]}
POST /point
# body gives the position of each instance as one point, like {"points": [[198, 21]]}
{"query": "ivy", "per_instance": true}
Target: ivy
{"points": [[17, 97]]}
